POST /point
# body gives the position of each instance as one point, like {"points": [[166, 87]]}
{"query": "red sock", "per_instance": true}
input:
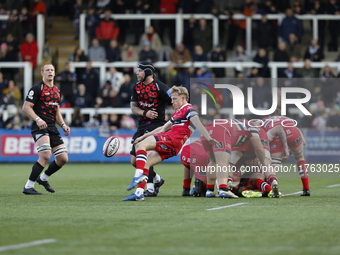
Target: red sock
{"points": [[262, 185], [210, 187], [186, 183], [141, 159], [141, 185], [146, 171], [303, 173], [271, 178], [222, 186]]}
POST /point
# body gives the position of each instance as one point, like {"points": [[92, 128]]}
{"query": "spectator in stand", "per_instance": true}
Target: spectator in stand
{"points": [[262, 58], [307, 70], [24, 20], [116, 78], [107, 29], [168, 7], [261, 94], [181, 54], [104, 94], [67, 81], [199, 54], [104, 127], [83, 99], [203, 35], [294, 48], [290, 25], [314, 52], [113, 53], [320, 122], [127, 122], [333, 7], [90, 79], [29, 51], [281, 54], [203, 72], [318, 7], [91, 22], [239, 56], [13, 45], [78, 55], [329, 86], [13, 26], [26, 123], [8, 56], [15, 92], [170, 75], [188, 35], [64, 103], [125, 91], [218, 55], [37, 7], [77, 118], [14, 123], [327, 73], [147, 53], [114, 122], [289, 72], [96, 51], [129, 54], [153, 38], [7, 102], [333, 121], [3, 83], [78, 8], [93, 122], [265, 33]]}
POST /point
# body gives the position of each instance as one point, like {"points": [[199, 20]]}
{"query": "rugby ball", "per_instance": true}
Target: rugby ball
{"points": [[111, 146]]}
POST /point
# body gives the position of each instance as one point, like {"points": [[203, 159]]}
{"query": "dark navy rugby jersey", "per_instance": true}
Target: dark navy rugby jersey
{"points": [[46, 100], [154, 96]]}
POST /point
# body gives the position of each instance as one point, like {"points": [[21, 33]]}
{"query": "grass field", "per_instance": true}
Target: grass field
{"points": [[86, 216]]}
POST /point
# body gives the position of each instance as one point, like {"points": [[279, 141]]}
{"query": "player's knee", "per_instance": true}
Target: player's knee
{"points": [[62, 160], [44, 152]]}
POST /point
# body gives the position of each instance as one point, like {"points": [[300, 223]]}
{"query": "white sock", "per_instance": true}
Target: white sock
{"points": [[29, 184], [157, 178], [150, 187], [139, 191], [44, 177], [138, 172]]}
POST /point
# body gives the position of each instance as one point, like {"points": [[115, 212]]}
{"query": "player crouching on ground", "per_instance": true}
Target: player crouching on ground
{"points": [[166, 141]]}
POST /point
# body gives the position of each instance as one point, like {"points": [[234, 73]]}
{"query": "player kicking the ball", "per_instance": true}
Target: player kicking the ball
{"points": [[166, 141]]}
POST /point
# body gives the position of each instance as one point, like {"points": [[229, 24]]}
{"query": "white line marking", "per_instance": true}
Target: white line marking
{"points": [[332, 186], [24, 245], [285, 195], [221, 207]]}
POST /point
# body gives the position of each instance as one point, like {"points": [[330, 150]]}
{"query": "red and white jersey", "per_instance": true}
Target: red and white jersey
{"points": [[181, 125], [273, 121]]}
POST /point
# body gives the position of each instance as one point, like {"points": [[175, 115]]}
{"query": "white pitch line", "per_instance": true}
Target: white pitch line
{"points": [[332, 186], [299, 192], [221, 207], [24, 245]]}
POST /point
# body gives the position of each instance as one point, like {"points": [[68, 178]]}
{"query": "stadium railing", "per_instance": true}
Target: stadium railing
{"points": [[40, 34], [179, 18]]}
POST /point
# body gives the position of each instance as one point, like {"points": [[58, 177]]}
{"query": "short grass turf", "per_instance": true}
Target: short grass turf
{"points": [[86, 215]]}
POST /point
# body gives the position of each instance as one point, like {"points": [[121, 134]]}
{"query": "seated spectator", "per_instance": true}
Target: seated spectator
{"points": [[78, 55], [15, 92], [8, 56], [104, 126], [113, 53], [3, 83], [125, 91], [29, 51], [147, 53], [333, 8], [314, 52], [294, 48], [129, 54], [333, 121], [181, 54], [170, 75], [107, 29], [265, 33], [14, 123], [262, 58], [218, 55], [77, 118], [199, 54], [104, 94], [239, 56], [116, 78], [66, 81], [93, 123], [262, 96], [114, 122], [82, 99], [23, 19], [26, 123], [320, 122], [289, 72], [91, 22], [290, 25], [127, 122], [64, 103], [78, 8], [327, 73], [254, 72], [96, 51], [308, 71], [90, 78], [153, 38], [203, 72], [13, 26], [281, 54], [203, 35]]}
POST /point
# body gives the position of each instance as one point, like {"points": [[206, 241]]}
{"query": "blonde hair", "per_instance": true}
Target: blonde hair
{"points": [[43, 66], [181, 91]]}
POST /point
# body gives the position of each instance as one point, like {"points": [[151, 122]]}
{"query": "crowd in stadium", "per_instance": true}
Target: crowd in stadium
{"points": [[109, 42]]}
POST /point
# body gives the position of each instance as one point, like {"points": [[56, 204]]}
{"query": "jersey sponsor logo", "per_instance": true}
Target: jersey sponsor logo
{"points": [[47, 94], [146, 104]]}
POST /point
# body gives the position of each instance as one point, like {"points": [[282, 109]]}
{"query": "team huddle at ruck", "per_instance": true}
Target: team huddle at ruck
{"points": [[230, 143]]}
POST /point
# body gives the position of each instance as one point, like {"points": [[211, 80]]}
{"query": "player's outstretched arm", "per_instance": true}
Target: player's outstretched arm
{"points": [[258, 149], [198, 124]]}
